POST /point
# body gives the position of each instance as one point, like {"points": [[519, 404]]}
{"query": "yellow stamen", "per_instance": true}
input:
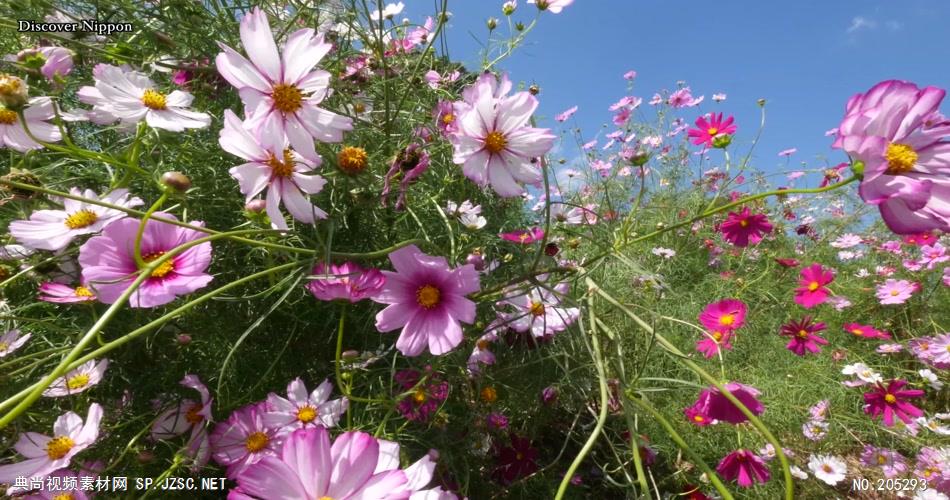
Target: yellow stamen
{"points": [[481, 345], [77, 381], [489, 395], [164, 268], [827, 468], [428, 296], [857, 331], [890, 398], [307, 414], [81, 219], [537, 309], [82, 291], [256, 442], [7, 117], [4, 346], [352, 160], [881, 459], [59, 446], [901, 158], [283, 168], [727, 319], [448, 118], [717, 336], [153, 100], [495, 142], [419, 396], [744, 223], [193, 416], [699, 418], [814, 285], [803, 333], [894, 293], [64, 496], [287, 98], [712, 131]]}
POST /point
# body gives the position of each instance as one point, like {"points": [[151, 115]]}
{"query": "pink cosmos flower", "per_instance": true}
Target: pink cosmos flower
{"points": [[920, 239], [683, 98], [64, 484], [891, 462], [494, 144], [427, 300], [55, 229], [819, 411], [538, 310], [410, 164], [563, 117], [300, 410], [811, 290], [78, 380], [244, 439], [891, 401], [524, 236], [933, 466], [14, 136], [939, 350], [708, 130], [815, 430], [131, 97], [713, 405], [62, 294], [272, 165], [728, 314], [46, 454], [552, 6], [788, 152], [865, 331], [713, 342], [11, 340], [482, 353], [347, 281], [931, 255], [424, 397], [894, 129], [280, 92], [630, 75], [744, 467], [803, 336], [895, 291], [57, 61], [356, 466], [188, 415], [744, 228]]}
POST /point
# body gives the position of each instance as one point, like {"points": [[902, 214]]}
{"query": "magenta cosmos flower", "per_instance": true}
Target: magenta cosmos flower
{"points": [[281, 92], [46, 454], [494, 144], [244, 439], [356, 466], [427, 300], [538, 310], [865, 331], [728, 314], [713, 405], [744, 467], [744, 228], [14, 136], [55, 229], [708, 130], [811, 289], [515, 461], [894, 291], [62, 294], [75, 381], [714, 342], [803, 336], [188, 415], [11, 340], [347, 281], [300, 410], [109, 267], [524, 236], [424, 398], [896, 130], [273, 166], [891, 401]]}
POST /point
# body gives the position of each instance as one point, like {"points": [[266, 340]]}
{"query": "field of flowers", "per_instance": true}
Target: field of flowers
{"points": [[288, 251]]}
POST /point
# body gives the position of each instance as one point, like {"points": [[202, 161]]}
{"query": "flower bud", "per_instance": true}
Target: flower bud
{"points": [[534, 89], [722, 141], [255, 206], [349, 354], [519, 26], [476, 260], [14, 92], [639, 158], [176, 181], [492, 23], [551, 249], [761, 103], [858, 168], [508, 8], [549, 395], [183, 339]]}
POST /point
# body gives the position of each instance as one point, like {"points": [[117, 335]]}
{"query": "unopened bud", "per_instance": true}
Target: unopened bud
{"points": [[858, 168], [492, 23], [145, 457], [255, 206], [639, 158], [177, 181], [534, 89], [722, 141], [349, 354], [508, 8], [519, 26], [14, 92], [551, 249], [761, 103], [476, 260], [183, 339]]}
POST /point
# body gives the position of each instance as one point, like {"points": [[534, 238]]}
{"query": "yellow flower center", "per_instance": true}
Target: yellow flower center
{"points": [[352, 160], [77, 381], [813, 286], [7, 117], [894, 293], [744, 223], [193, 416], [359, 108], [82, 291], [307, 414], [256, 442], [283, 168], [890, 398], [858, 332], [153, 100], [537, 309], [827, 468], [81, 219], [59, 446], [428, 296], [164, 268], [325, 498], [448, 118], [881, 459], [287, 98], [803, 333], [4, 346], [64, 496], [901, 158], [727, 319], [419, 396], [495, 142], [712, 131], [489, 394], [698, 418], [519, 456], [717, 336], [481, 345]]}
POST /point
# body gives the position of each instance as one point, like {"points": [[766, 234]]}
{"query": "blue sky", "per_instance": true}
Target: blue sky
{"points": [[805, 58]]}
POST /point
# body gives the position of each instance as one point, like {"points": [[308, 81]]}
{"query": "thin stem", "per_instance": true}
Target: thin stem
{"points": [[139, 261]]}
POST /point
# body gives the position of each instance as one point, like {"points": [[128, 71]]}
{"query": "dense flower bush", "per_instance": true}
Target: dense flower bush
{"points": [[207, 217]]}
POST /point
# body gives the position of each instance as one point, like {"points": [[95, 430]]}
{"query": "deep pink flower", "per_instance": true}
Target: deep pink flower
{"points": [[347, 281], [803, 336], [787, 262], [713, 405], [728, 314], [708, 130], [281, 92], [62, 294], [891, 401], [865, 331], [811, 290], [515, 461], [424, 399], [188, 415], [427, 300], [743, 228], [524, 236], [744, 467], [713, 342], [109, 267], [920, 239], [563, 117], [494, 144]]}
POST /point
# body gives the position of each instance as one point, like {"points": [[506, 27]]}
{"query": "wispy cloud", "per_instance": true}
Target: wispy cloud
{"points": [[859, 23]]}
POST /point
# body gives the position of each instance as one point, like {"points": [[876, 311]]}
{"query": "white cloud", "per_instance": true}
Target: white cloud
{"points": [[862, 23]]}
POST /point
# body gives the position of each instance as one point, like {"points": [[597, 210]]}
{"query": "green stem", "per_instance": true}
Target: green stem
{"points": [[139, 261]]}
